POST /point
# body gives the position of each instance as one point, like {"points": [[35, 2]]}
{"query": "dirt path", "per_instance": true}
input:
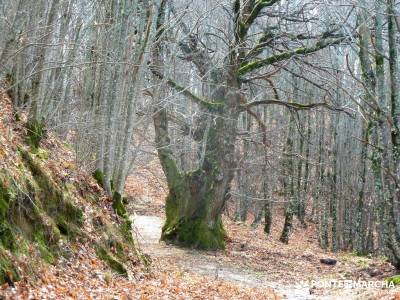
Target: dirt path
{"points": [[214, 265], [251, 258]]}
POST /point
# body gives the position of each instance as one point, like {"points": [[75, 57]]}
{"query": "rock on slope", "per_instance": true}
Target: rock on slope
{"points": [[47, 205]]}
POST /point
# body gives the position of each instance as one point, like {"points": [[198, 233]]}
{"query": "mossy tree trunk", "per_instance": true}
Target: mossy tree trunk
{"points": [[196, 199]]}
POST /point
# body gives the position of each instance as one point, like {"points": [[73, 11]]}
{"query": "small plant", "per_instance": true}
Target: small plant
{"points": [[36, 131], [383, 258], [363, 262], [108, 277], [394, 279]]}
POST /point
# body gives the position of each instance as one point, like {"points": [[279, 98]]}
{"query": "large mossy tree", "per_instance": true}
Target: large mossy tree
{"points": [[196, 199]]}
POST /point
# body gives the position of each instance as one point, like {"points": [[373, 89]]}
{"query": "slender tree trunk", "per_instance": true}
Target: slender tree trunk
{"points": [[268, 205], [379, 159], [393, 235], [301, 209], [321, 197], [361, 224], [288, 183], [368, 76], [335, 200]]}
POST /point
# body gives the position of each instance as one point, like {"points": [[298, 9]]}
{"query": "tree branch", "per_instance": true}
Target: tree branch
{"points": [[295, 105], [204, 103], [254, 65], [253, 14]]}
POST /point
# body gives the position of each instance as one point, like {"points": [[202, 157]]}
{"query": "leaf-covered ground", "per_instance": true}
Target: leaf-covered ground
{"points": [[251, 258], [85, 277]]}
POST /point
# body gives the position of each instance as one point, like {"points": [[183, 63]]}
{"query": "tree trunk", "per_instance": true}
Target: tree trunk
{"points": [[393, 235], [288, 183], [196, 199]]}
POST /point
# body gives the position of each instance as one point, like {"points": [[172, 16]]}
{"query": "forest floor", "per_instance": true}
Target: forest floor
{"points": [[253, 266], [252, 259]]}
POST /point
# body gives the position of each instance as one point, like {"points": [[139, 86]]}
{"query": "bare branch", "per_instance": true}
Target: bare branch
{"points": [[295, 105], [256, 64], [184, 90]]}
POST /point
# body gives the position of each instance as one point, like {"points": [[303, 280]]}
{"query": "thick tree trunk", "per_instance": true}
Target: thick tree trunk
{"points": [[191, 217], [196, 199]]}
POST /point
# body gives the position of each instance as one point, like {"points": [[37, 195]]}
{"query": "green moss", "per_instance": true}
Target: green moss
{"points": [[119, 206], [111, 261], [126, 225], [5, 199], [99, 176], [35, 132], [51, 197], [247, 67], [187, 208], [119, 249], [47, 252], [7, 238], [394, 279], [42, 154], [126, 230], [43, 217], [7, 268], [66, 228], [195, 233], [37, 210]]}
